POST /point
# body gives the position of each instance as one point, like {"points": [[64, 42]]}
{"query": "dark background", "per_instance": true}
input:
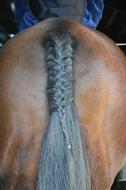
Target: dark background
{"points": [[113, 24]]}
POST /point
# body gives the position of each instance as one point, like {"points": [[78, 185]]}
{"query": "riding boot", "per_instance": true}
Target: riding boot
{"points": [[71, 9]]}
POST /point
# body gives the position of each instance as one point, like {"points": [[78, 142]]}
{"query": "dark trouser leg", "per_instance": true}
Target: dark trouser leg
{"points": [[43, 9], [122, 175]]}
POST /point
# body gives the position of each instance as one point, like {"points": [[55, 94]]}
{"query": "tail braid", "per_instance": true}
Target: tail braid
{"points": [[59, 58], [60, 71]]}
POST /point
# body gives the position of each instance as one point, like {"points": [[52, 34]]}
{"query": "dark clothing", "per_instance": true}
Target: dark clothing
{"points": [[88, 12], [44, 9], [122, 175]]}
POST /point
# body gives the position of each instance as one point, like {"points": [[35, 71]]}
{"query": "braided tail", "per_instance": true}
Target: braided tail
{"points": [[63, 163]]}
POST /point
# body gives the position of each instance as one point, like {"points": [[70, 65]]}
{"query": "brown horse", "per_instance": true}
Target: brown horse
{"points": [[61, 156]]}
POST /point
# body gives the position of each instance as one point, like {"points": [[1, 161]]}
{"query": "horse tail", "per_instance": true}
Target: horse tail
{"points": [[63, 162]]}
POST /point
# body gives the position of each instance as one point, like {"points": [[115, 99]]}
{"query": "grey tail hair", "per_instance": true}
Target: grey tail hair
{"points": [[63, 162]]}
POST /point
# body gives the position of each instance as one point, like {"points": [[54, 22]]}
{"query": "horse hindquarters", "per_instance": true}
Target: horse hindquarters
{"points": [[98, 86]]}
